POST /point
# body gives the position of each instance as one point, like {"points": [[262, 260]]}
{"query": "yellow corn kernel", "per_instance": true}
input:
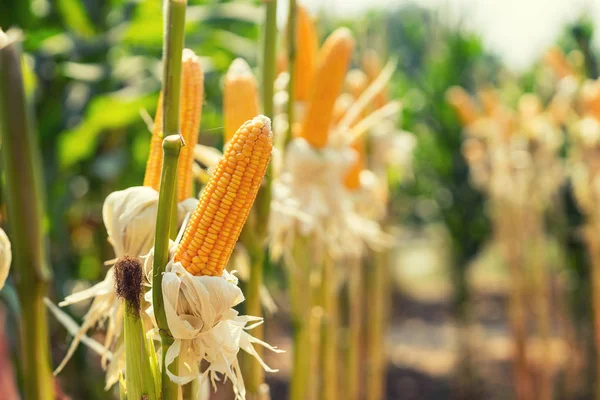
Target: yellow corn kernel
{"points": [[240, 97], [307, 47], [356, 82], [215, 225], [192, 94], [154, 163], [192, 97], [463, 104], [352, 179], [371, 64], [334, 59]]}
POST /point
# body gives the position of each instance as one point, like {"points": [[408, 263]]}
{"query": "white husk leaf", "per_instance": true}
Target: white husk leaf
{"points": [[129, 217], [5, 257], [205, 326], [309, 198]]}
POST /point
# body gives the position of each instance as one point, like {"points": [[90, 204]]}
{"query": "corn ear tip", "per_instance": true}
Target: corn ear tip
{"points": [[239, 67]]}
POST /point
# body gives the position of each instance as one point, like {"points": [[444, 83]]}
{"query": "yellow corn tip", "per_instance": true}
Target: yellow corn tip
{"points": [[192, 94], [463, 104], [226, 200], [307, 47], [352, 179], [356, 82], [334, 59], [371, 64], [240, 97]]}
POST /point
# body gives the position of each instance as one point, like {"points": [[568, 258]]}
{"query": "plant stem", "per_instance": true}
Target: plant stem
{"points": [[172, 54], [511, 240], [24, 200], [269, 57], [356, 298], [377, 292], [301, 317], [291, 48], [138, 376], [256, 227], [329, 331], [189, 390], [593, 248], [164, 221], [542, 301]]}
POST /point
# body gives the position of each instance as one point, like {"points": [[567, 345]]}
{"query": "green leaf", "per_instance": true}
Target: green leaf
{"points": [[106, 112]]}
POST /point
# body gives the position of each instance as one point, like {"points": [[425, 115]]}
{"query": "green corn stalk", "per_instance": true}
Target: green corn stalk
{"points": [[25, 206]]}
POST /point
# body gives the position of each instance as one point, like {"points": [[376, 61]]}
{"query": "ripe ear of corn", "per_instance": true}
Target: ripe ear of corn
{"points": [[352, 179], [192, 96], [240, 97], [154, 163], [334, 59], [307, 46], [215, 225]]}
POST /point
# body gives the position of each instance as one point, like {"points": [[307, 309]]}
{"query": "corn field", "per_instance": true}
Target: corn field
{"points": [[266, 200]]}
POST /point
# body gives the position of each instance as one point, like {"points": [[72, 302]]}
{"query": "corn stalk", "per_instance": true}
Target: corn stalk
{"points": [[25, 207]]}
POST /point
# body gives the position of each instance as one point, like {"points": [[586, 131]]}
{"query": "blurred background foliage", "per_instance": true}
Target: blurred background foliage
{"points": [[94, 69]]}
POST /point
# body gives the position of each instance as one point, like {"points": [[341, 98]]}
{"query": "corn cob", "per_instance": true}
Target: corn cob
{"points": [[307, 45], [352, 179], [192, 92], [216, 223], [240, 97], [356, 82], [334, 59], [192, 97], [463, 104], [154, 163]]}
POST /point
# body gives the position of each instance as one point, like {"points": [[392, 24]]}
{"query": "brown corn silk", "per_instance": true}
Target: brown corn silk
{"points": [[215, 225], [334, 58], [240, 97], [192, 96]]}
